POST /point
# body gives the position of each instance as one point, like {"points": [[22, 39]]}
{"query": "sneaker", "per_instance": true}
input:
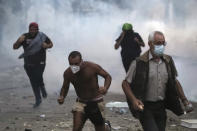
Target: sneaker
{"points": [[107, 125], [43, 91], [37, 104], [44, 94]]}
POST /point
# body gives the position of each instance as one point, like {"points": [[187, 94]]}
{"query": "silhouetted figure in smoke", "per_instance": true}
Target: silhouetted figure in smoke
{"points": [[154, 86], [89, 104], [34, 44], [130, 43]]}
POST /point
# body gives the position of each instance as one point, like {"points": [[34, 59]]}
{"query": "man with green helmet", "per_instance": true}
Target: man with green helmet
{"points": [[130, 43]]}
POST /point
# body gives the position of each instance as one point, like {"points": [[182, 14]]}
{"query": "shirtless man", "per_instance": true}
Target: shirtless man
{"points": [[89, 104]]}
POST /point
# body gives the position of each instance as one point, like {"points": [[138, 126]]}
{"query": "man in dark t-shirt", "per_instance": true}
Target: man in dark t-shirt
{"points": [[38, 57], [34, 44], [130, 43]]}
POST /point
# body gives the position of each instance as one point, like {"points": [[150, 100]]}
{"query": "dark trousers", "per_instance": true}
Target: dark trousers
{"points": [[126, 62], [35, 74], [153, 118]]}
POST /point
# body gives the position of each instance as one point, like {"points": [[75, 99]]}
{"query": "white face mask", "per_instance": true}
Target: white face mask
{"points": [[75, 69]]}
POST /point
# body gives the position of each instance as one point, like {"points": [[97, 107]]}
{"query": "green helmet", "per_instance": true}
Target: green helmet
{"points": [[127, 26]]}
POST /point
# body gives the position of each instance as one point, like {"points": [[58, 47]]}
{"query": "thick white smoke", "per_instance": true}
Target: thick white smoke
{"points": [[91, 27]]}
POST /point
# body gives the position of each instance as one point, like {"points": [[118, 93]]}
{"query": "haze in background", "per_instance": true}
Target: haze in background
{"points": [[91, 27]]}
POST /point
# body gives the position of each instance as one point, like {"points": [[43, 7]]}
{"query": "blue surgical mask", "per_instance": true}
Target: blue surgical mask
{"points": [[159, 50]]}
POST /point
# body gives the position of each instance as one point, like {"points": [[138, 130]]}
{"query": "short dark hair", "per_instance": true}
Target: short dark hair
{"points": [[74, 54]]}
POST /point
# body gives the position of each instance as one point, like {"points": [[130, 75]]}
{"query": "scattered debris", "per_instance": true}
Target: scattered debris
{"points": [[121, 111], [135, 129], [27, 125], [16, 118], [116, 127], [42, 116], [63, 125], [12, 122], [173, 125], [172, 120], [118, 107], [189, 123], [117, 104], [7, 128]]}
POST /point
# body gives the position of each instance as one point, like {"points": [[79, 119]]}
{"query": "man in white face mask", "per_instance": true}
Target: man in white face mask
{"points": [[154, 86], [89, 104]]}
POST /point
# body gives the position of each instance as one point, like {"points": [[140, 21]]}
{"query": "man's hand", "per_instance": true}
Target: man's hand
{"points": [[60, 100], [18, 43], [116, 46], [136, 39], [45, 45], [138, 105], [188, 106], [102, 90]]}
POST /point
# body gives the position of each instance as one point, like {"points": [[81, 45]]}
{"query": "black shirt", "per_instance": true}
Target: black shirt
{"points": [[130, 48], [37, 58]]}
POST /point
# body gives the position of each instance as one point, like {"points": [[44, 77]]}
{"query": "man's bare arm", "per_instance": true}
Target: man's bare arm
{"points": [[137, 104], [18, 43], [139, 42], [186, 103], [117, 45], [127, 91], [64, 90], [181, 93], [106, 76]]}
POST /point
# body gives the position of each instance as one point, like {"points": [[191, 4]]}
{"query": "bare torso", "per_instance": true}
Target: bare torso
{"points": [[85, 81]]}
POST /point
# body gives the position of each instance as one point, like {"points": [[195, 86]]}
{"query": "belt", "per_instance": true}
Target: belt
{"points": [[154, 102], [97, 100]]}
